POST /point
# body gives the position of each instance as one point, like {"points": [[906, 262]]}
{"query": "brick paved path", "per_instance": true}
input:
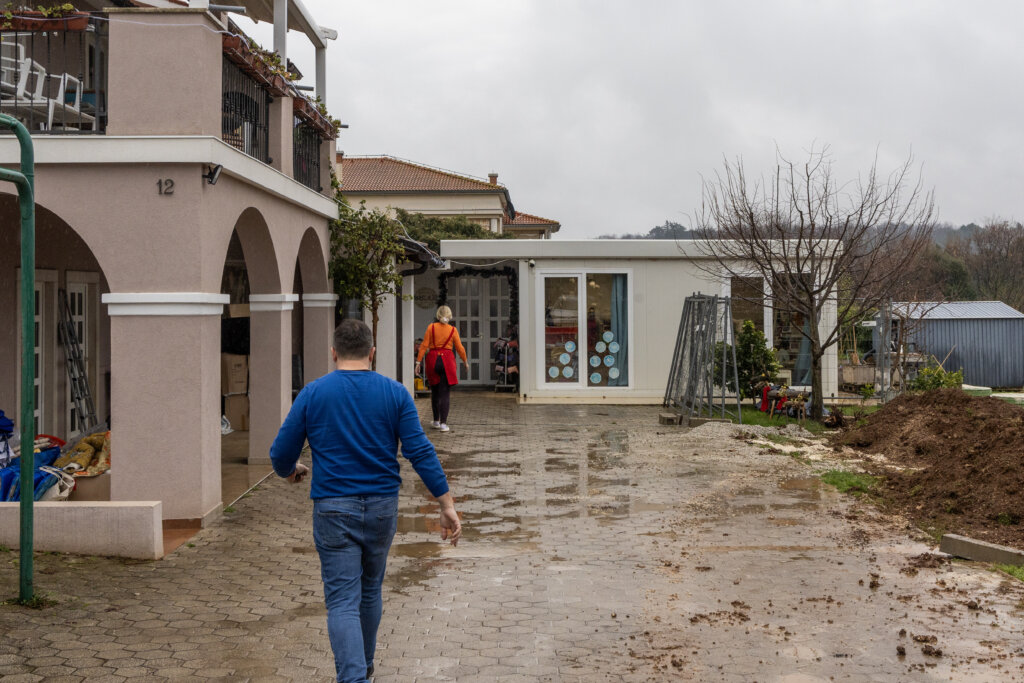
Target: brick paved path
{"points": [[598, 546]]}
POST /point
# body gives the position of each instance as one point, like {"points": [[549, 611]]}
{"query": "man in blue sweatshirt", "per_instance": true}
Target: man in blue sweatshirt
{"points": [[354, 419]]}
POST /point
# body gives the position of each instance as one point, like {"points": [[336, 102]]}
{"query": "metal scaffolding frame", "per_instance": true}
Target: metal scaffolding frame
{"points": [[692, 390]]}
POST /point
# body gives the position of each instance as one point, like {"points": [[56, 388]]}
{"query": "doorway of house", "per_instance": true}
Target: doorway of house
{"points": [[481, 308]]}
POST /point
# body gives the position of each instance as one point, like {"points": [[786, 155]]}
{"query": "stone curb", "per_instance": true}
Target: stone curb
{"points": [[970, 549]]}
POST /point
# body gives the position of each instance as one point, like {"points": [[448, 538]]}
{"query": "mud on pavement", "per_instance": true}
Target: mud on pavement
{"points": [[599, 546]]}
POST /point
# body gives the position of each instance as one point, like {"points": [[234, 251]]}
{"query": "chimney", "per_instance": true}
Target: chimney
{"points": [[493, 177]]}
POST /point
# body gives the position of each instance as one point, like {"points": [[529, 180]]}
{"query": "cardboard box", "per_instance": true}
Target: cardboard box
{"points": [[92, 488], [234, 373], [238, 310], [236, 409]]}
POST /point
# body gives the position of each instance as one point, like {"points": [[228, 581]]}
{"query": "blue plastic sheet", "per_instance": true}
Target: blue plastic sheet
{"points": [[10, 476]]}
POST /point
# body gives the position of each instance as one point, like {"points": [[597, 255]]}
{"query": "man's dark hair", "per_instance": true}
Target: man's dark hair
{"points": [[352, 339]]}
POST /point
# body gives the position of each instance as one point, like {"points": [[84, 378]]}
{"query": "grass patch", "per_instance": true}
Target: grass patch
{"points": [[780, 439], [35, 602], [850, 482], [229, 509], [1012, 569], [753, 416]]}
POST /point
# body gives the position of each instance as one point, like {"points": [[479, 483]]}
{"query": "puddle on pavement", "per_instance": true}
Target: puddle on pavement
{"points": [[561, 465], [801, 484], [640, 506]]}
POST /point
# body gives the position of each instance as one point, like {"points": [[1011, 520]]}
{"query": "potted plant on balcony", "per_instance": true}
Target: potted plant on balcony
{"points": [[314, 113], [63, 17]]}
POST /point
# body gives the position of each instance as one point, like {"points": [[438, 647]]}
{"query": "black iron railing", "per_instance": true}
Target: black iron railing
{"points": [[245, 113], [306, 155], [53, 73]]}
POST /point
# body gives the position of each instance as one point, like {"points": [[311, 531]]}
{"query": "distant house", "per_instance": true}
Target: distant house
{"points": [[482, 297], [386, 181], [527, 226], [983, 338]]}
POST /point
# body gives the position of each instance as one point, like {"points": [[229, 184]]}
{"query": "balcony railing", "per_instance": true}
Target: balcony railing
{"points": [[53, 73], [245, 113], [306, 143]]}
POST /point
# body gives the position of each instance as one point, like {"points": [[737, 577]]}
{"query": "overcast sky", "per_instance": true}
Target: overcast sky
{"points": [[605, 115]]}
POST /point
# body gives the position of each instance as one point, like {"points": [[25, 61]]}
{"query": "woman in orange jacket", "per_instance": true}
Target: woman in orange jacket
{"points": [[439, 342]]}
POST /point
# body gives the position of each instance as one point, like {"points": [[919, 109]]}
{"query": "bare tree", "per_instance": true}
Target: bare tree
{"points": [[818, 244]]}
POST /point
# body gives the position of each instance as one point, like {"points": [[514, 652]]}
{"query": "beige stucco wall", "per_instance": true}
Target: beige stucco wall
{"points": [[164, 73]]}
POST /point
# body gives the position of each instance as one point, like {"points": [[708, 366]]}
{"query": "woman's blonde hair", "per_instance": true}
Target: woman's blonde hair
{"points": [[444, 314]]}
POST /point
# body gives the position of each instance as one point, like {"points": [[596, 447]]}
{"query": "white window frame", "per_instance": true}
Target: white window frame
{"points": [[580, 385], [46, 284]]}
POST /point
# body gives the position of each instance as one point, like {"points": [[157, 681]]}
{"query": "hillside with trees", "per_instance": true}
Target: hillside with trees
{"points": [[964, 263]]}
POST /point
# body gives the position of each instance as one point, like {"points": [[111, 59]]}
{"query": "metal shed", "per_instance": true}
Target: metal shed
{"points": [[984, 338]]}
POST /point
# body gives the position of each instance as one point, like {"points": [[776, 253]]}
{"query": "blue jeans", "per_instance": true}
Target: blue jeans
{"points": [[353, 535]]}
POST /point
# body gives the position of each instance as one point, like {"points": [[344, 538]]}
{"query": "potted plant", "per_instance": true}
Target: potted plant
{"points": [[62, 17]]}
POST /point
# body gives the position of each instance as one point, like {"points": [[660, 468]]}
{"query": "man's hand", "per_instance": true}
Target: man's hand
{"points": [[451, 527], [300, 472]]}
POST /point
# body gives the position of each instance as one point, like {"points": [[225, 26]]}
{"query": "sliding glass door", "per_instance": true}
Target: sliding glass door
{"points": [[586, 329]]}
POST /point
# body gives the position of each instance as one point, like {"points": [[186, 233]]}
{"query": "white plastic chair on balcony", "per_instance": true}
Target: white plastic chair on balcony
{"points": [[73, 109], [28, 97], [12, 55]]}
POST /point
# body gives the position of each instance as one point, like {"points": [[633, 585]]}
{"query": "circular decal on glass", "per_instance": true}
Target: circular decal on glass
{"points": [[609, 361], [564, 359], [607, 336], [570, 346], [600, 347], [595, 361], [567, 372], [595, 378], [553, 372], [613, 373], [614, 347]]}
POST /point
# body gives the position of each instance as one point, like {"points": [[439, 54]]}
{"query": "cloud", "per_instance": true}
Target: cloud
{"points": [[605, 115]]}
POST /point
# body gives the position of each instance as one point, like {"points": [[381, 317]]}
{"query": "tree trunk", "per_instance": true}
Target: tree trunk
{"points": [[375, 319], [816, 408]]}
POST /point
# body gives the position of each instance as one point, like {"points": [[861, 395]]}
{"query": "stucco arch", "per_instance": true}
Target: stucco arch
{"points": [[53, 231], [311, 263], [260, 253]]}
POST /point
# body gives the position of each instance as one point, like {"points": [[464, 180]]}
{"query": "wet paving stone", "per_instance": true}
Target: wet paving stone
{"points": [[598, 546]]}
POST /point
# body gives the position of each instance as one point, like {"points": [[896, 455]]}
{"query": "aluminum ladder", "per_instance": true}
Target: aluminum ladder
{"points": [[78, 382]]}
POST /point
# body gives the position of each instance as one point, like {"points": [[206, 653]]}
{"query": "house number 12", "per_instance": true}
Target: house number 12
{"points": [[165, 186]]}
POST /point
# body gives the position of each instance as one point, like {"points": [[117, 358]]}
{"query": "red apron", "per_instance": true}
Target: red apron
{"points": [[447, 358]]}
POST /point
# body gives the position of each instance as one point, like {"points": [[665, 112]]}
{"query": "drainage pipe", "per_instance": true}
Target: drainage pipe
{"points": [[25, 182]]}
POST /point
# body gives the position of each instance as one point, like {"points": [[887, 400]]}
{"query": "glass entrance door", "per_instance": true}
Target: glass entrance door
{"points": [[561, 357], [464, 298], [586, 329]]}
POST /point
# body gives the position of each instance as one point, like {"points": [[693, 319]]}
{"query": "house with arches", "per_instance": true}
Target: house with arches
{"points": [[170, 150]]}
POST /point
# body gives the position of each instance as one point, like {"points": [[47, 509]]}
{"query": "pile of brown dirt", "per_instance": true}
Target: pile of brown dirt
{"points": [[957, 462]]}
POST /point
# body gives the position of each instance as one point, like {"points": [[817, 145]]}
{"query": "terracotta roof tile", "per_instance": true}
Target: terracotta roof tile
{"points": [[525, 219], [391, 174]]}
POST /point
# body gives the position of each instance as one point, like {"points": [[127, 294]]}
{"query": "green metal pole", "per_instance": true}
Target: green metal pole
{"points": [[25, 182]]}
